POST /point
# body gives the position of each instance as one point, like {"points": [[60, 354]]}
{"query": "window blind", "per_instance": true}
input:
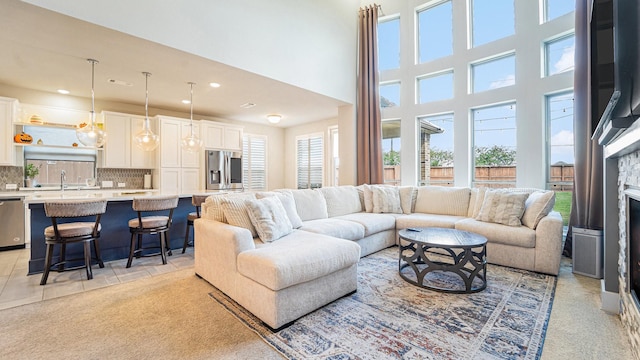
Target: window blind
{"points": [[254, 165], [309, 161]]}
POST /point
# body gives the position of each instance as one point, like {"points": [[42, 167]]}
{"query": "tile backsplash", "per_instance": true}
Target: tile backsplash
{"points": [[132, 178]]}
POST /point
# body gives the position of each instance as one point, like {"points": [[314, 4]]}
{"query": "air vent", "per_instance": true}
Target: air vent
{"points": [[119, 82]]}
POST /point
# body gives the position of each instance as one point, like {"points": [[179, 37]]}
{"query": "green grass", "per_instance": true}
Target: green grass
{"points": [[563, 205]]}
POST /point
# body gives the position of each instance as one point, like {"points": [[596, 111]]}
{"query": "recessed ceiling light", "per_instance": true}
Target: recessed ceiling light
{"points": [[63, 91], [247, 105], [186, 102], [214, 85]]}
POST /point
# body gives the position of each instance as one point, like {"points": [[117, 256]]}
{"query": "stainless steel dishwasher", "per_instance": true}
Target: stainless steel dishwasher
{"points": [[11, 223]]}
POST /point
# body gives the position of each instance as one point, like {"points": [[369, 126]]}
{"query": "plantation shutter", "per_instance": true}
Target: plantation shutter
{"points": [[254, 165], [309, 160]]}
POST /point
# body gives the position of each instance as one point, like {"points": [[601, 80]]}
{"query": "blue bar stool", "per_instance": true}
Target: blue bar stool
{"points": [[152, 225], [65, 232]]}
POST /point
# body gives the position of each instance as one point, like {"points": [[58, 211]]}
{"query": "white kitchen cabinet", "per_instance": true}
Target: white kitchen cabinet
{"points": [[220, 136], [120, 151], [190, 159], [179, 170], [190, 181], [8, 113], [168, 180]]}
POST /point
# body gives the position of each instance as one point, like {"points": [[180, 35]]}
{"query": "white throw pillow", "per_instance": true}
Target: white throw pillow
{"points": [[368, 198], [269, 218], [288, 203], [386, 199], [408, 195], [310, 204], [502, 207], [235, 211], [341, 200], [212, 206], [538, 205]]}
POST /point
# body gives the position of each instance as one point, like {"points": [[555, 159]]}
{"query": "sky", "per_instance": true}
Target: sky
{"points": [[495, 126]]}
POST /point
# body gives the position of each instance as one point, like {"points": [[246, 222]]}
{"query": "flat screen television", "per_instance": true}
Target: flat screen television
{"points": [[624, 105]]}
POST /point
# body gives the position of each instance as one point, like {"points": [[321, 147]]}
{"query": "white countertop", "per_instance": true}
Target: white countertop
{"points": [[40, 196]]}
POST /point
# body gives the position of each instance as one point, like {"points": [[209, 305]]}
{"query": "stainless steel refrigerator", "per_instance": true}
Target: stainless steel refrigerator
{"points": [[223, 170]]}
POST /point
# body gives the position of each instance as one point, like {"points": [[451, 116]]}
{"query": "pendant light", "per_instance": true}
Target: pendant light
{"points": [[191, 142], [91, 134], [146, 139]]}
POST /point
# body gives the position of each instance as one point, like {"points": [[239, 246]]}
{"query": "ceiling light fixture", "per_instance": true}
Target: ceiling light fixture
{"points": [[214, 85], [274, 118], [146, 139], [191, 142], [91, 134]]}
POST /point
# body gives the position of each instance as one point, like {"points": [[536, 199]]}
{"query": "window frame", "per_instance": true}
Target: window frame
{"points": [[308, 138], [247, 160]]}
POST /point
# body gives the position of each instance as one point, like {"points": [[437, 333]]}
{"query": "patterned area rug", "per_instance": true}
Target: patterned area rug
{"points": [[388, 318]]}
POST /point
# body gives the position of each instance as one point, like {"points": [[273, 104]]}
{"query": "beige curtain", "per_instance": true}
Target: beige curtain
{"points": [[369, 138], [586, 203]]}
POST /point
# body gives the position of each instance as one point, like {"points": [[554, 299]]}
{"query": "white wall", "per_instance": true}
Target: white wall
{"points": [[528, 93], [307, 43]]}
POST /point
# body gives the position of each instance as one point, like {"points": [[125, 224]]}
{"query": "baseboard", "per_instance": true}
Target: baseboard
{"points": [[610, 300]]}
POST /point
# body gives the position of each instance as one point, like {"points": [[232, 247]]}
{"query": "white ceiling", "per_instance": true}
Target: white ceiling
{"points": [[46, 51]]}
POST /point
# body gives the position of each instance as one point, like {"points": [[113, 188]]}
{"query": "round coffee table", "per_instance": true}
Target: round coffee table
{"points": [[456, 251]]}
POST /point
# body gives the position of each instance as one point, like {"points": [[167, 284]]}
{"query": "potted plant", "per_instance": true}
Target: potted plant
{"points": [[31, 171]]}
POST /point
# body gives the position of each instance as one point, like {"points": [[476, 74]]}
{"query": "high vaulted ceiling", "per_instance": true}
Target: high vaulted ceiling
{"points": [[46, 51]]}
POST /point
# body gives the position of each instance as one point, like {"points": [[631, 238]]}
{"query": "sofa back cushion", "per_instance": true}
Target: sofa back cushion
{"points": [[341, 200], [235, 212], [310, 204], [408, 195], [386, 199], [537, 206], [443, 200], [289, 204], [269, 218], [502, 207]]}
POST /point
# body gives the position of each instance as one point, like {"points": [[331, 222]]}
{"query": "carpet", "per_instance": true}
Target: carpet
{"points": [[388, 318]]}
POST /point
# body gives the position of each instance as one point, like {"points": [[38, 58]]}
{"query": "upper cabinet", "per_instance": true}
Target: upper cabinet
{"points": [[8, 113], [120, 150], [172, 130], [220, 136]]}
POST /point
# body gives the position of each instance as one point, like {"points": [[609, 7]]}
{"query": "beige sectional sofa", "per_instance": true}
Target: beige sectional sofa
{"points": [[285, 253]]}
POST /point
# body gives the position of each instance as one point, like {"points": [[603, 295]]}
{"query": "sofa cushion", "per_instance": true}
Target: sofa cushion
{"points": [[386, 199], [235, 213], [442, 200], [408, 195], [373, 223], [289, 204], [475, 201], [520, 236], [212, 206], [339, 228], [310, 204], [537, 206], [269, 218], [427, 220], [368, 198], [341, 200], [296, 258], [502, 207]]}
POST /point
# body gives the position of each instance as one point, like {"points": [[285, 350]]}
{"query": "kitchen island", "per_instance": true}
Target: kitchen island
{"points": [[114, 236]]}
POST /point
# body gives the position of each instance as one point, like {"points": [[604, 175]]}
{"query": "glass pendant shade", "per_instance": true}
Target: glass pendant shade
{"points": [[91, 134], [146, 139], [191, 143]]}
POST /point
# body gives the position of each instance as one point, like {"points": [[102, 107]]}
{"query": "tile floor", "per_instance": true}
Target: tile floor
{"points": [[18, 288]]}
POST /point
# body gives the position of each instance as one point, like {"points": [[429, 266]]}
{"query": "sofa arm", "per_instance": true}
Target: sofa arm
{"points": [[216, 248], [549, 244]]}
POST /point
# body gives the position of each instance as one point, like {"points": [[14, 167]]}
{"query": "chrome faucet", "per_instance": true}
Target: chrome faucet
{"points": [[63, 178]]}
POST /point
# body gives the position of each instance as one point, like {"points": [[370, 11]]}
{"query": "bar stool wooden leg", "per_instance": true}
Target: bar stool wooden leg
{"points": [[186, 238], [96, 248], [63, 256], [87, 259], [163, 249], [47, 264], [131, 250]]}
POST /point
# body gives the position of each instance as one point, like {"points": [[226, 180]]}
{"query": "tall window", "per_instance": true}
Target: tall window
{"points": [[435, 32], [389, 44], [390, 94], [557, 8], [335, 155], [436, 149], [494, 145], [494, 73], [391, 151], [254, 162], [560, 150], [436, 87], [309, 161], [492, 20], [559, 55]]}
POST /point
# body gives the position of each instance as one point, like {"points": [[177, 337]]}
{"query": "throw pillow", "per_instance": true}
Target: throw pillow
{"points": [[443, 200], [386, 199], [212, 206], [310, 204], [235, 211], [341, 200], [502, 207], [269, 218], [368, 198], [477, 205], [408, 195], [288, 203], [538, 205]]}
